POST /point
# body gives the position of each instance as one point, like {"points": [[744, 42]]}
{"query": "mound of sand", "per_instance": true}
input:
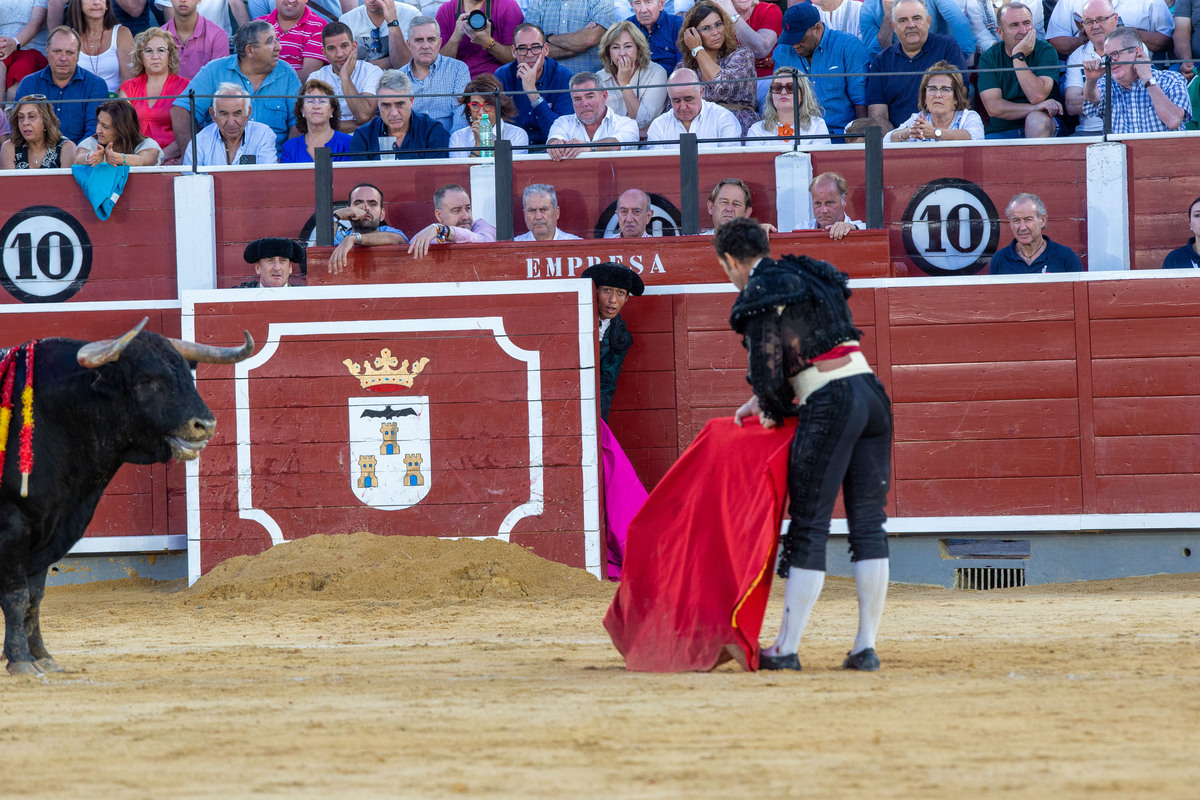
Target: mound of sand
{"points": [[363, 566]]}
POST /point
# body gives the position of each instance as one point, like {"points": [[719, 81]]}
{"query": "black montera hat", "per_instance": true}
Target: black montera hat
{"points": [[273, 246], [608, 273]]}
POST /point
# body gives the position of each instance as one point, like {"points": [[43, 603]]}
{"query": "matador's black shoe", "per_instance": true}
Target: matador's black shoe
{"points": [[863, 661], [790, 661]]}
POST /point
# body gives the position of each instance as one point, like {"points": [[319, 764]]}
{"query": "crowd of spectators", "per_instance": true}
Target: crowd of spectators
{"points": [[576, 75]]}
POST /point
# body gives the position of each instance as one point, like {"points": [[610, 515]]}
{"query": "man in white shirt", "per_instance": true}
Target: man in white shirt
{"points": [[348, 76], [232, 138], [1151, 18], [455, 222], [591, 124], [1099, 20], [828, 192], [379, 27], [691, 113], [540, 202]]}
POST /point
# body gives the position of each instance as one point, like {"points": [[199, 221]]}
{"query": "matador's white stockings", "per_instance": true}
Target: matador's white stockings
{"points": [[804, 587]]}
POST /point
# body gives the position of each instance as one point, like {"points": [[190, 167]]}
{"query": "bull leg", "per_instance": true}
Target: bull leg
{"points": [[15, 603], [33, 626], [14, 597]]}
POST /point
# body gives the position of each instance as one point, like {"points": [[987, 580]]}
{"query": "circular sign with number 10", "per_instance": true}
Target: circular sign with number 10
{"points": [[951, 227], [47, 255]]}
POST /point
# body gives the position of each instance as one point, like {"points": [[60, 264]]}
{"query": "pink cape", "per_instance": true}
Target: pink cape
{"points": [[624, 495], [700, 554]]}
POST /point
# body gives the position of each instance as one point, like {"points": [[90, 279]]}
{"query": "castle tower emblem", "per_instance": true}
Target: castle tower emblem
{"points": [[366, 476], [390, 439]]}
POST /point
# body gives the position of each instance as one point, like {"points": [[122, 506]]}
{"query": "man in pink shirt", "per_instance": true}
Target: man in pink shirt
{"points": [[299, 31], [199, 40], [455, 222]]}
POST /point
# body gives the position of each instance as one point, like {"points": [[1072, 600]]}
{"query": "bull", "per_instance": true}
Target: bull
{"points": [[96, 406]]}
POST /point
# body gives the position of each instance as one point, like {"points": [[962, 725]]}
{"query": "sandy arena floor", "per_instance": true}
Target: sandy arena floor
{"points": [[383, 667]]}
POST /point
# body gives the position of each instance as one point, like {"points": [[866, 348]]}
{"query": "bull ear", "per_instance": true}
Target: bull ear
{"points": [[207, 354], [95, 354]]}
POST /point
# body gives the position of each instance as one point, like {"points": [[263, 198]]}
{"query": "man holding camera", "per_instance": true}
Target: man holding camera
{"points": [[479, 33]]}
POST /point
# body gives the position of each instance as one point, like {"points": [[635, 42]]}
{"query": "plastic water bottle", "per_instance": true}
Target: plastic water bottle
{"points": [[485, 136]]}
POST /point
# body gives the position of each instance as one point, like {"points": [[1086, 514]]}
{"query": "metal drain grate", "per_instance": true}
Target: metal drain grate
{"points": [[982, 578]]}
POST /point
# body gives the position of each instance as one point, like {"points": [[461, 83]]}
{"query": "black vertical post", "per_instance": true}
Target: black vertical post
{"points": [[795, 109], [689, 183], [496, 134], [192, 128], [504, 190], [1107, 96], [323, 176], [874, 175]]}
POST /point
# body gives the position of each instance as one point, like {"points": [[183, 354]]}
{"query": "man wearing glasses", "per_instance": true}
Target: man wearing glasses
{"points": [[540, 84], [1021, 90], [1099, 20], [1144, 100], [1153, 21]]}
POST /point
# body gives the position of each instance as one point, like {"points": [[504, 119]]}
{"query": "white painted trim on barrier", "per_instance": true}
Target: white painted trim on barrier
{"points": [[1107, 207], [533, 507], [195, 232], [1038, 523], [155, 543], [98, 305]]}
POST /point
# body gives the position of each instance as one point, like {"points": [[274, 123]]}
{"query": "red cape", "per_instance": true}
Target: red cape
{"points": [[700, 554]]}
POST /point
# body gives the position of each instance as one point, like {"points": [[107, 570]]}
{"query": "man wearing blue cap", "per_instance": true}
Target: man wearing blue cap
{"points": [[836, 61]]}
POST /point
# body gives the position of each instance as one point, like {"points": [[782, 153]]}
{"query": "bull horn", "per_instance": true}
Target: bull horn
{"points": [[95, 354], [207, 354]]}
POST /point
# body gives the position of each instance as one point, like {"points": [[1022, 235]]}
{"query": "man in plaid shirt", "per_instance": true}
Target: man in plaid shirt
{"points": [[573, 29], [1143, 99], [432, 73]]}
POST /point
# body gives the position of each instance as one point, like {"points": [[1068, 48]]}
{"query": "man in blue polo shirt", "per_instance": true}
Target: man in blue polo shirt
{"points": [[891, 98], [836, 61], [271, 84], [661, 31], [399, 132], [64, 80], [532, 73], [1031, 251]]}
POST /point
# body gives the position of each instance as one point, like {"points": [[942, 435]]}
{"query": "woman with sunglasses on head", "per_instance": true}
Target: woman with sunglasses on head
{"points": [[943, 110], [105, 44], [636, 85], [119, 139], [155, 83], [37, 142], [479, 98], [710, 47], [784, 118], [317, 116]]}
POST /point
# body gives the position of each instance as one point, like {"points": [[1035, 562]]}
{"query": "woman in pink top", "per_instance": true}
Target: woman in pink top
{"points": [[156, 83]]}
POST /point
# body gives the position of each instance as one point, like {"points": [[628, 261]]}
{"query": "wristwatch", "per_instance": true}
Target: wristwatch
{"points": [[358, 238], [734, 19], [394, 23], [1018, 57], [1152, 81], [937, 133], [697, 49]]}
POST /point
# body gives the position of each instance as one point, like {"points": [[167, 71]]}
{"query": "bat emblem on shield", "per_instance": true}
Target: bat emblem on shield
{"points": [[390, 451]]}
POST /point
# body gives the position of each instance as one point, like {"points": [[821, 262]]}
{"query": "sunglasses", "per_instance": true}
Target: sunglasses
{"points": [[782, 88]]}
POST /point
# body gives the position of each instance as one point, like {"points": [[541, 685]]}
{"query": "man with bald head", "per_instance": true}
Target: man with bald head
{"points": [[633, 215], [691, 113], [1098, 20]]}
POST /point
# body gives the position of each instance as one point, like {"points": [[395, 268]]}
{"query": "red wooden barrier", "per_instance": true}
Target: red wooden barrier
{"points": [[496, 430]]}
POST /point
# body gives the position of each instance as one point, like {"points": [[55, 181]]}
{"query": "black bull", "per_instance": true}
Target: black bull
{"points": [[96, 406]]}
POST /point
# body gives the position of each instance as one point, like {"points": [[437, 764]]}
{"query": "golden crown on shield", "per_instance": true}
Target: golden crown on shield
{"points": [[384, 375]]}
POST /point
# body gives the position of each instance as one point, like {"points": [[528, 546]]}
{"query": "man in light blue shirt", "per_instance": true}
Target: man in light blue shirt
{"points": [[255, 66], [836, 62], [233, 138]]}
